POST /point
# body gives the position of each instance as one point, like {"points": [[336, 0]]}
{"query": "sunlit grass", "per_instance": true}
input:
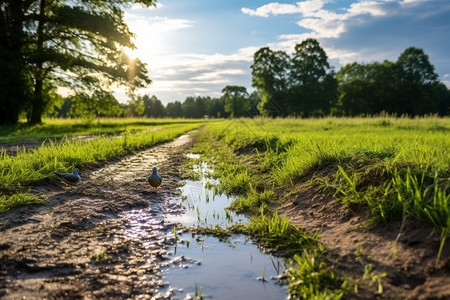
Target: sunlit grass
{"points": [[394, 167], [29, 167], [59, 128]]}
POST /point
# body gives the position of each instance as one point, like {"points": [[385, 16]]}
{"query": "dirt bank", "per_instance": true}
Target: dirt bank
{"points": [[89, 241], [407, 257]]}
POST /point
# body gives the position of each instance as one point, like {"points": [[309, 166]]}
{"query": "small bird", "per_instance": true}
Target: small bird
{"points": [[154, 180], [70, 179]]}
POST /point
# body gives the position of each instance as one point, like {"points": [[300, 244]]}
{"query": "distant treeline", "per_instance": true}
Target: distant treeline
{"points": [[303, 85], [106, 105]]}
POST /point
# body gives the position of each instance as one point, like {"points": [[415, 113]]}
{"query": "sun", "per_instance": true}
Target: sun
{"points": [[131, 53]]}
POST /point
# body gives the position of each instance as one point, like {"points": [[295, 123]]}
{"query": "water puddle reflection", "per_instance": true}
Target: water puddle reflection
{"points": [[230, 268]]}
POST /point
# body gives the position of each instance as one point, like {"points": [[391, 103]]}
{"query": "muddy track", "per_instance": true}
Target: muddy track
{"points": [[90, 242]]}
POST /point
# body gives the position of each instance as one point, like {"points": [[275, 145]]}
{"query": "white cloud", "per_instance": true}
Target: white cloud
{"points": [[374, 8], [141, 24], [272, 9], [276, 8], [200, 74], [446, 80]]}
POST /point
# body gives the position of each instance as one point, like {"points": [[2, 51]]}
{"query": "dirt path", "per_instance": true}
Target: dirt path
{"points": [[409, 263], [106, 238]]}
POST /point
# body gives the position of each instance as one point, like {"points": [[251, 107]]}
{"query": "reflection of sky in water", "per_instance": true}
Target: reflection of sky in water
{"points": [[204, 207], [224, 269]]}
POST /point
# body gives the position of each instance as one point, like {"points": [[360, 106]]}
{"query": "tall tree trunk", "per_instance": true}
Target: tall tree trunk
{"points": [[12, 82], [37, 106]]}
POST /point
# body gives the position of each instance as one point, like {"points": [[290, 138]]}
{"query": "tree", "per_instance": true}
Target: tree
{"points": [[135, 106], [313, 85], [99, 104], [367, 88], [77, 43], [217, 108], [174, 109], [442, 94], [106, 104], [269, 77], [14, 80], [190, 108], [236, 100], [416, 81], [153, 107]]}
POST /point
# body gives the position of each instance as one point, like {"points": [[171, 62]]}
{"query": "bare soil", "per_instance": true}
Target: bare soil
{"points": [[407, 258], [106, 238]]}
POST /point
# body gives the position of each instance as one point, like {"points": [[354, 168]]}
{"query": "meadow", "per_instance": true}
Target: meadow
{"points": [[113, 138], [391, 168], [60, 128]]}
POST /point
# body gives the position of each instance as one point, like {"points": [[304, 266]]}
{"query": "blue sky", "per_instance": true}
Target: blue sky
{"points": [[197, 47]]}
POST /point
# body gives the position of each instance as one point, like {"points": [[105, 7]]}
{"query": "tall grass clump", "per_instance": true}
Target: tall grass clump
{"points": [[311, 278], [9, 201], [277, 232], [424, 201]]}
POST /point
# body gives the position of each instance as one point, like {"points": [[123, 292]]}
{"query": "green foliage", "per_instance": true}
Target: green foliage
{"points": [[311, 278], [408, 86], [301, 85], [236, 100], [269, 77], [153, 107], [276, 232], [60, 42], [313, 86], [9, 201], [136, 106], [305, 85]]}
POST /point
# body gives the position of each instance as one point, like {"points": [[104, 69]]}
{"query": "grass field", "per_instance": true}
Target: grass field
{"points": [[60, 128], [394, 168], [30, 167]]}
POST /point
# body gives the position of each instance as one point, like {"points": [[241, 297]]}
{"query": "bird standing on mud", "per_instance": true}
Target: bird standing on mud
{"points": [[154, 180], [71, 179]]}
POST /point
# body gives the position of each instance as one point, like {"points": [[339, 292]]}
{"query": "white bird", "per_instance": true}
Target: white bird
{"points": [[154, 180], [70, 179]]}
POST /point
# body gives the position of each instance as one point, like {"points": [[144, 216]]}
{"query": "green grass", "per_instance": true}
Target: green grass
{"points": [[60, 128], [30, 167], [395, 167]]}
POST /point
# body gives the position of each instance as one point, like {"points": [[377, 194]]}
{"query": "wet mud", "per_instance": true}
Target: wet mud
{"points": [[94, 241]]}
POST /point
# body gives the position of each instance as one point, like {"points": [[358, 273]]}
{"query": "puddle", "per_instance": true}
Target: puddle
{"points": [[221, 269]]}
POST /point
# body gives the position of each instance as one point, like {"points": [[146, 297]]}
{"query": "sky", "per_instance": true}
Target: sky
{"points": [[197, 47]]}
